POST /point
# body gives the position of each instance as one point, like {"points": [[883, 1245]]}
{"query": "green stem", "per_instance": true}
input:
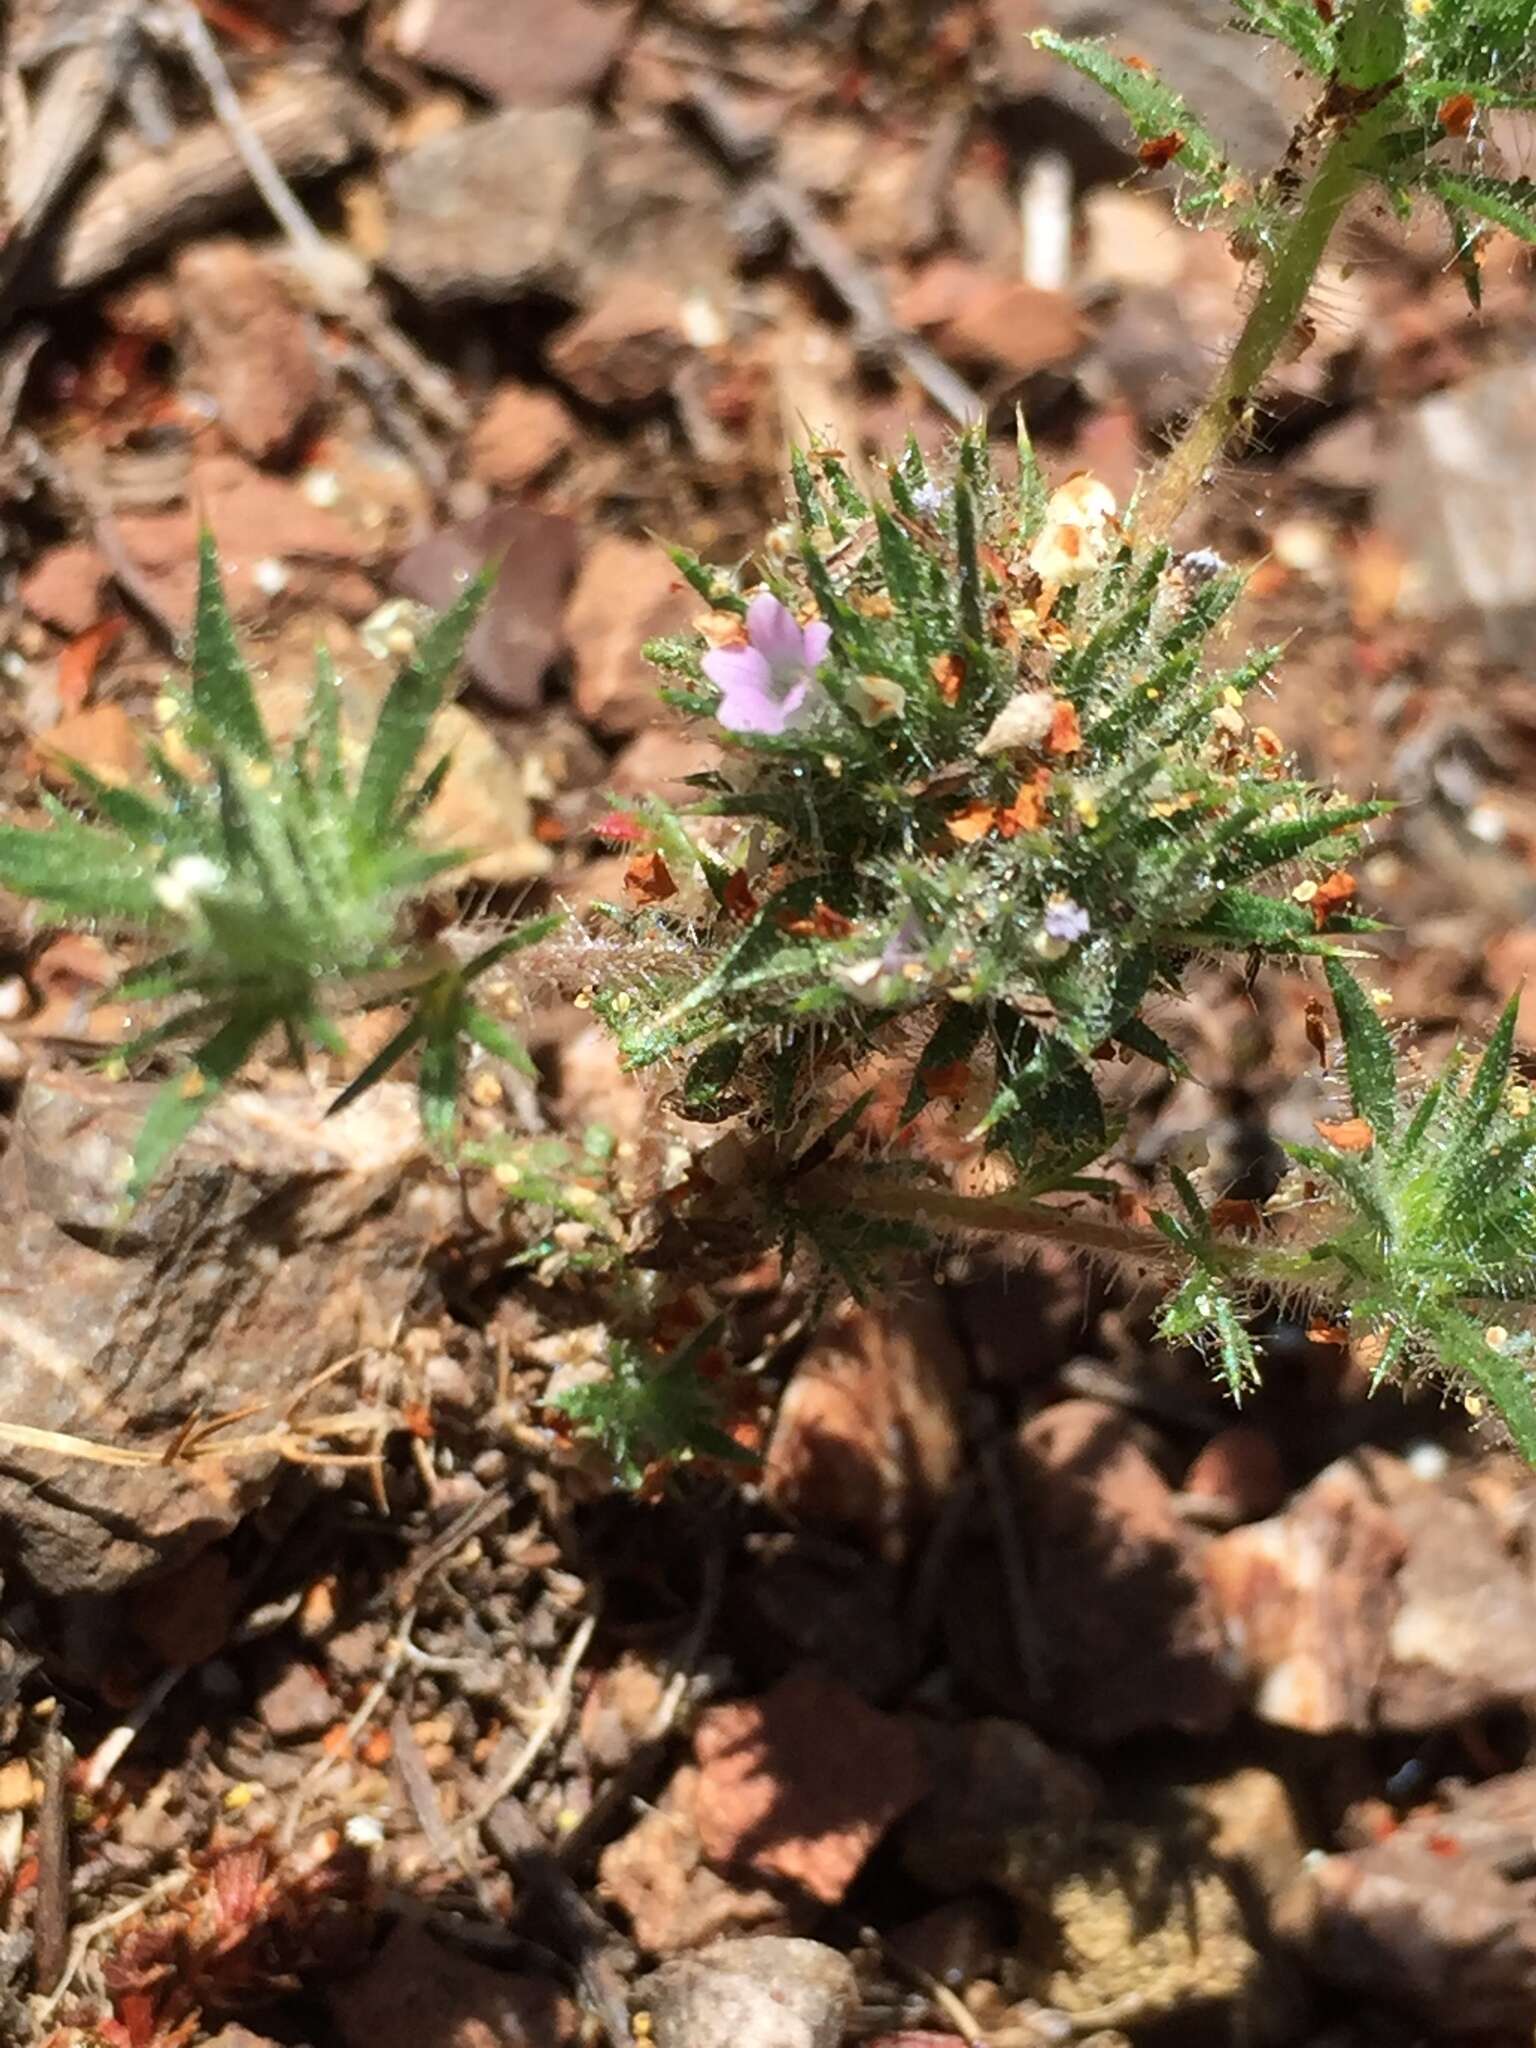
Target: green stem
{"points": [[1006, 1216], [1270, 322]]}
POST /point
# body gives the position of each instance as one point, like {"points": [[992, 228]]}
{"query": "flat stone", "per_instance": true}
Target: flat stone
{"points": [[628, 592], [520, 53], [1124, 1632], [297, 1703], [867, 1438], [249, 344], [1463, 1637], [1458, 500], [418, 1994], [762, 1991], [520, 435], [124, 1330], [488, 210], [627, 347], [800, 1785], [518, 636], [1308, 1598], [1439, 1919]]}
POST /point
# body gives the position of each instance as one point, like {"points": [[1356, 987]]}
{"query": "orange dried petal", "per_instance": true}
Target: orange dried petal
{"points": [[1353, 1134], [948, 672], [972, 821], [1456, 114], [648, 879], [1066, 733], [1331, 894]]}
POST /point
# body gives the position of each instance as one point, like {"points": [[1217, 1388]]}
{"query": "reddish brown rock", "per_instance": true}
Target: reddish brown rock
{"points": [[63, 588], [521, 434], [997, 323], [1308, 1599], [250, 345], [627, 592], [1238, 1475], [867, 1437], [657, 1875], [415, 1992], [521, 53], [296, 1704], [518, 636], [1120, 1628], [801, 1784], [627, 347], [1463, 1637], [261, 523], [1439, 1918]]}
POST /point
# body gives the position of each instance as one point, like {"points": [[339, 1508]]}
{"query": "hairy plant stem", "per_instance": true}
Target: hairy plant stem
{"points": [[1006, 1216], [1265, 1265], [1271, 321]]}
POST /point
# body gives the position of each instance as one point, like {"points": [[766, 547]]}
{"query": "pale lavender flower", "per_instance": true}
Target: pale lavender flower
{"points": [[930, 498], [769, 686], [1066, 920]]}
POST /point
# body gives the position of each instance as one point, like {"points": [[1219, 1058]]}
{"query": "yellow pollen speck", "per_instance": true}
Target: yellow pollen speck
{"points": [[1473, 1405], [238, 1797], [192, 1084], [1495, 1336], [1304, 892]]}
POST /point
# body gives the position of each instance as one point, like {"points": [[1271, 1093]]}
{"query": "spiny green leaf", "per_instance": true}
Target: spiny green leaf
{"points": [[221, 693], [414, 699], [187, 1097], [390, 1055], [492, 1036], [1297, 24], [1155, 110], [1507, 203], [76, 868], [1034, 493], [1485, 1097], [1369, 1058]]}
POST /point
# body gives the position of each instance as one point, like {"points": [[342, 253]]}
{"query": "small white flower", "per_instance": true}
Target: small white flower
{"points": [[187, 879]]}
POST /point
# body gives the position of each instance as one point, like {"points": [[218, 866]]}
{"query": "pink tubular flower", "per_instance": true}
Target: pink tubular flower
{"points": [[769, 686]]}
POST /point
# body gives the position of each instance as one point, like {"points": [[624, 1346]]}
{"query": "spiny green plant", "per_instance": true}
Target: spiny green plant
{"points": [[649, 1415], [275, 889], [1007, 813], [987, 798], [990, 788]]}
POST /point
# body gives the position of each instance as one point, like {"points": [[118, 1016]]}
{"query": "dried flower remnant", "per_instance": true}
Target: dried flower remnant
{"points": [[769, 686], [1078, 534]]}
